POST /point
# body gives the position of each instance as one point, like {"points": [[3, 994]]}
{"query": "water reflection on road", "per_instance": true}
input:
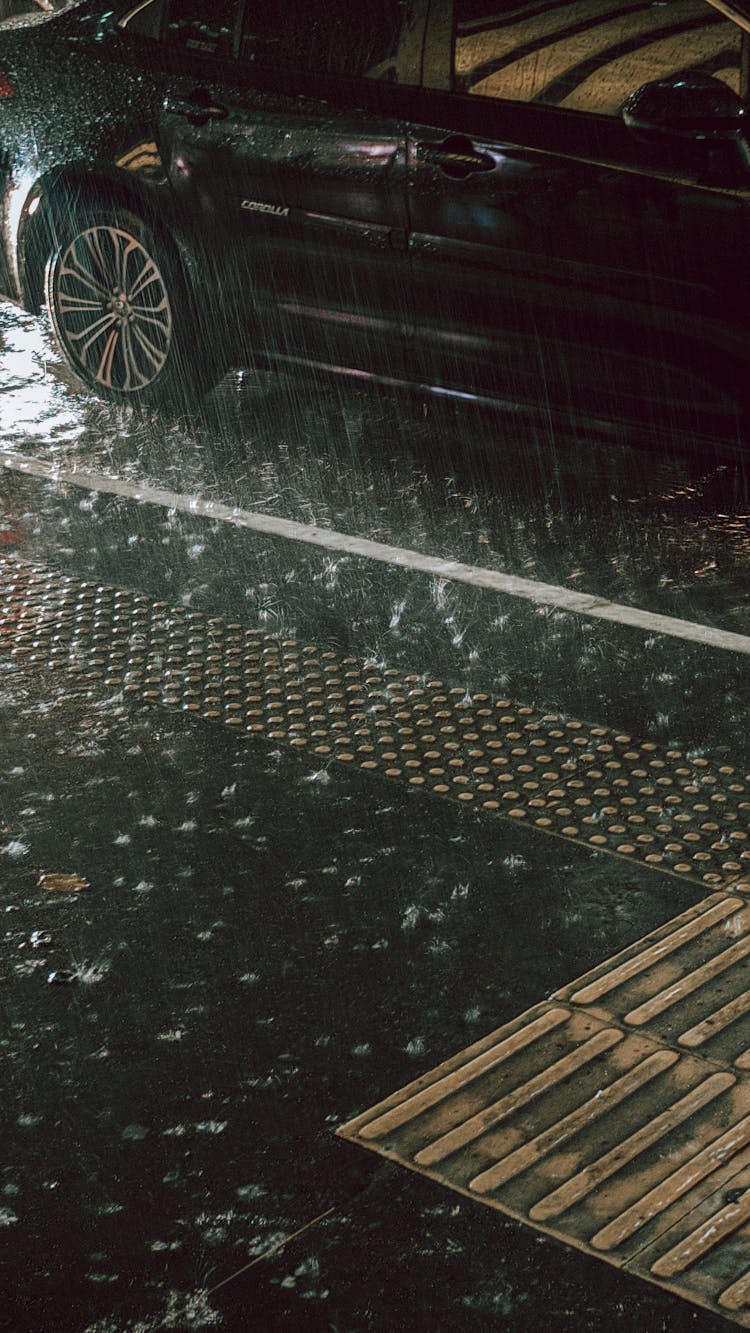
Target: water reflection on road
{"points": [[668, 530]]}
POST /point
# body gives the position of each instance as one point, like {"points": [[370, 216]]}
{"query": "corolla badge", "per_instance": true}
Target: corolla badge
{"points": [[254, 206]]}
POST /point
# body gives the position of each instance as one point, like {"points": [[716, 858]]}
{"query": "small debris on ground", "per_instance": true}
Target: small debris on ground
{"points": [[62, 883]]}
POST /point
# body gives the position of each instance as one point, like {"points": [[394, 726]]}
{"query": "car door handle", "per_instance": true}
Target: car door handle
{"points": [[455, 157], [198, 107]]}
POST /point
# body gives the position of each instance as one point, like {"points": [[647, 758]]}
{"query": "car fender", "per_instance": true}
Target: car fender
{"points": [[137, 182]]}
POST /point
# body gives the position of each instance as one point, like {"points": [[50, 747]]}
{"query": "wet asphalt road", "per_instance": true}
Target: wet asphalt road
{"points": [[268, 945]]}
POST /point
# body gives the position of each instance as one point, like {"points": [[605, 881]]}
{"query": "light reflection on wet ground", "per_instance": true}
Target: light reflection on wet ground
{"points": [[669, 532], [267, 947]]}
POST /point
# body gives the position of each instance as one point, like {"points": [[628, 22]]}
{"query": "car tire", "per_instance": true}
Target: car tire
{"points": [[121, 313]]}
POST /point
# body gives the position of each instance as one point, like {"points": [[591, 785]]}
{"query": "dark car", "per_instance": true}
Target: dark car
{"points": [[543, 203]]}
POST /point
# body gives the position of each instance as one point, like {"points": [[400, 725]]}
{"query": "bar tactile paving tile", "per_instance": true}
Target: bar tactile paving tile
{"points": [[671, 812], [613, 1135], [687, 983]]}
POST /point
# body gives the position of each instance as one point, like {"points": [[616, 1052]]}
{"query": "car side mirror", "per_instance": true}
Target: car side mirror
{"points": [[686, 106]]}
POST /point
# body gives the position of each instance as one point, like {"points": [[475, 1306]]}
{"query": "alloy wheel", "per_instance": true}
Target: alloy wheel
{"points": [[111, 309]]}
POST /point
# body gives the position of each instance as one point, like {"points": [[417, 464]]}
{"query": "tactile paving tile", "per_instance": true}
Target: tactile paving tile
{"points": [[705, 1255], [592, 785], [687, 983], [607, 1139]]}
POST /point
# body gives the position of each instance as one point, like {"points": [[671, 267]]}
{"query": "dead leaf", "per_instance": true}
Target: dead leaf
{"points": [[62, 883]]}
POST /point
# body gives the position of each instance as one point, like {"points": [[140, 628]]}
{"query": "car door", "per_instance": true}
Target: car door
{"points": [[555, 253], [286, 142]]}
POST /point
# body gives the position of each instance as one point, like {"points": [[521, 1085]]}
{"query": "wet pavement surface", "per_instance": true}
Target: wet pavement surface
{"points": [[269, 942]]}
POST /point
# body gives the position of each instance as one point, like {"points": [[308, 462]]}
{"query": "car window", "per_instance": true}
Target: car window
{"points": [[588, 56], [345, 37], [202, 27]]}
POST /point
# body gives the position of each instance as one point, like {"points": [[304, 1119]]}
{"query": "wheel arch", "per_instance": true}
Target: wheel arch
{"points": [[77, 188]]}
